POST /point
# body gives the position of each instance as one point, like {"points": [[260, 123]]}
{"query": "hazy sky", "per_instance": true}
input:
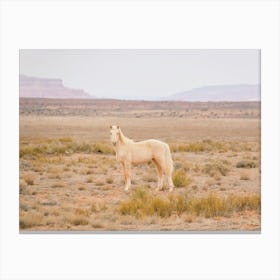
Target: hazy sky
{"points": [[142, 74]]}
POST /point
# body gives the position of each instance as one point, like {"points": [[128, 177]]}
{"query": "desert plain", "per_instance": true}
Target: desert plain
{"points": [[71, 181]]}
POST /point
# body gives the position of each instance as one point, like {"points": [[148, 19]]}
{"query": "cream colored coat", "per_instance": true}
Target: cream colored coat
{"points": [[130, 153]]}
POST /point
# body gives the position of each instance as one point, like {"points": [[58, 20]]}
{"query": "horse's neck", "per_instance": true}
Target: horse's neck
{"points": [[124, 139], [122, 144]]}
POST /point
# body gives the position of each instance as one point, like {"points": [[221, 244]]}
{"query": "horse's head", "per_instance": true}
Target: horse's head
{"points": [[114, 134]]}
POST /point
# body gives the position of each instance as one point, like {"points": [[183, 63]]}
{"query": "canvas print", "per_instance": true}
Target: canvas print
{"points": [[139, 140]]}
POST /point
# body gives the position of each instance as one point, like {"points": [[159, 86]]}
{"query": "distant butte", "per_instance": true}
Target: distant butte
{"points": [[48, 88], [230, 93]]}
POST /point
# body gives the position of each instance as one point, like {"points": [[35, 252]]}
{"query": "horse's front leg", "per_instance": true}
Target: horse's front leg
{"points": [[160, 176], [127, 174]]}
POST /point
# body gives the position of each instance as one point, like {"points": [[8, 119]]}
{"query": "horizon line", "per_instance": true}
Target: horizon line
{"points": [[159, 98]]}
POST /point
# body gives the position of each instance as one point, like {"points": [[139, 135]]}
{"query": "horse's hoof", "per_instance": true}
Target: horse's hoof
{"points": [[171, 190]]}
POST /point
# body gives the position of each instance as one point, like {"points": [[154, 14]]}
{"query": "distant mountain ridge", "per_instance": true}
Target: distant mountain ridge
{"points": [[48, 88], [242, 92]]}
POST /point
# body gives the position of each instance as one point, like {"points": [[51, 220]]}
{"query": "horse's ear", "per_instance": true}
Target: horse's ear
{"points": [[118, 127], [110, 126]]}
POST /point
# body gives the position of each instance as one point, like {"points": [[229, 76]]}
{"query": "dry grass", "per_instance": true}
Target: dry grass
{"points": [[202, 146], [97, 225], [29, 179], [30, 219], [143, 203], [58, 147], [59, 185], [89, 180], [189, 218], [22, 183], [196, 168], [212, 205], [216, 167], [99, 183], [109, 180], [77, 220], [211, 146], [49, 203], [244, 176], [82, 212], [98, 207], [246, 164], [180, 179]]}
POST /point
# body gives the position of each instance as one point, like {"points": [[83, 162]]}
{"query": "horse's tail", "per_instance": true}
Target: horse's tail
{"points": [[169, 161]]}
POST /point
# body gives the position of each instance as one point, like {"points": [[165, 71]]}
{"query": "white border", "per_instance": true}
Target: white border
{"points": [[155, 24]]}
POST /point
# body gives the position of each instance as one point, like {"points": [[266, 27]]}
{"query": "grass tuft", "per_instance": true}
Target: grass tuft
{"points": [[215, 167], [30, 219], [109, 180], [98, 207], [246, 164], [180, 179], [78, 220], [59, 185], [82, 212], [29, 179], [244, 176]]}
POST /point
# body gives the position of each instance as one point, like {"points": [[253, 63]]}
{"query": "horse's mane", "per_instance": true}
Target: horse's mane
{"points": [[125, 139]]}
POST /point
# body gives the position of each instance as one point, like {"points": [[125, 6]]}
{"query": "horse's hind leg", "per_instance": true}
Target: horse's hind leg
{"points": [[160, 175], [170, 183], [127, 174], [169, 179]]}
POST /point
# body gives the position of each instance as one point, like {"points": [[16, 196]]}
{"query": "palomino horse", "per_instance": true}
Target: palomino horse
{"points": [[129, 152]]}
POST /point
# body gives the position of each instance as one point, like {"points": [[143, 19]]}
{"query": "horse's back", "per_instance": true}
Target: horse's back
{"points": [[159, 143], [152, 144], [157, 147]]}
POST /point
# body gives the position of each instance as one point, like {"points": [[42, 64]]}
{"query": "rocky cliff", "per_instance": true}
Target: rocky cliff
{"points": [[48, 88]]}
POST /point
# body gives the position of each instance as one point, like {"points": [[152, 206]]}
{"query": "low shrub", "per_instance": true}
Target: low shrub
{"points": [[82, 212], [58, 185], [77, 220], [180, 179], [29, 179], [109, 180], [215, 167], [244, 176], [98, 207], [246, 164]]}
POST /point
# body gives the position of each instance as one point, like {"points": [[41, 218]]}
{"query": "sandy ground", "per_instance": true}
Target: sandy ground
{"points": [[82, 190]]}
